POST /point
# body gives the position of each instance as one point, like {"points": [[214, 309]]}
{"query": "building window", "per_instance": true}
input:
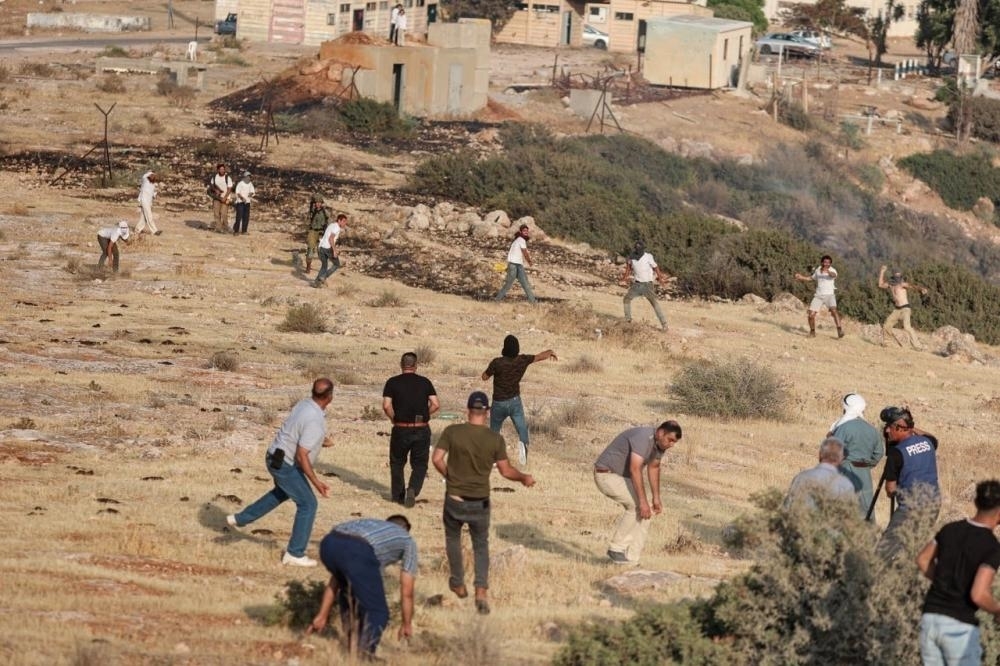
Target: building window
{"points": [[740, 54], [345, 9], [725, 49], [522, 6], [624, 16], [420, 3], [331, 19], [598, 14], [370, 6], [546, 9], [384, 5], [409, 4]]}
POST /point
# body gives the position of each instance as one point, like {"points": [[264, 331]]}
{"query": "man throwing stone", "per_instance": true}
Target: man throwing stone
{"points": [[355, 553], [644, 273], [863, 448], [824, 277], [618, 474], [409, 400], [897, 286], [290, 460], [465, 456], [319, 217]]}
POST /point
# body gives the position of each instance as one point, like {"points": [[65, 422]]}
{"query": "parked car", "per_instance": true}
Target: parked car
{"points": [[226, 26], [789, 45], [594, 37], [820, 39]]}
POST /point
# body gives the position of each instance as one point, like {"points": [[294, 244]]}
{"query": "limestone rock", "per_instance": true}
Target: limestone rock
{"points": [[957, 345], [984, 209], [418, 221], [485, 230], [499, 218], [752, 298]]}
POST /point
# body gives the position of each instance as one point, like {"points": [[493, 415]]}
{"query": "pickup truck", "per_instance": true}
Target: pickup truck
{"points": [[227, 26]]}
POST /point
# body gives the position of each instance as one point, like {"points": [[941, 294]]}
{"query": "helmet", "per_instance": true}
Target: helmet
{"points": [[316, 198]]}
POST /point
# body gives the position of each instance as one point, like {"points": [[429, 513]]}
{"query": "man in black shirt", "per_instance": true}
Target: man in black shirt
{"points": [[961, 562], [409, 400], [506, 371]]}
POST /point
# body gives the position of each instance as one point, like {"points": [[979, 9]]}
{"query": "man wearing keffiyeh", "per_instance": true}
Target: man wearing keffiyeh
{"points": [[863, 447]]}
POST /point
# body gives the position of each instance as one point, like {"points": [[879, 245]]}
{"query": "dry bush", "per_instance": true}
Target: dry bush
{"points": [[24, 423], [225, 360], [4, 73], [583, 364], [387, 299], [39, 69], [304, 318], [739, 389], [224, 423], [179, 96], [425, 354], [347, 290], [576, 414], [153, 124], [370, 413], [231, 59], [189, 270], [111, 83], [345, 376], [113, 51], [480, 643]]}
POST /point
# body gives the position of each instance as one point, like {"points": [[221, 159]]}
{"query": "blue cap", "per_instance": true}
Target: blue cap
{"points": [[478, 400]]}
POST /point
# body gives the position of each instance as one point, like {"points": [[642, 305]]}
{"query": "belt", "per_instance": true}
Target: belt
{"points": [[352, 537], [422, 424], [601, 470], [463, 498], [902, 307], [859, 463]]}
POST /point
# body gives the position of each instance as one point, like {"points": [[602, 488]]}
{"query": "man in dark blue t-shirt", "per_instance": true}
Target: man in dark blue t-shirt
{"points": [[409, 400], [961, 563]]}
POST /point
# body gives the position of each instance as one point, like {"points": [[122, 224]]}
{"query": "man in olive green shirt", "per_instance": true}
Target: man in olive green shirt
{"points": [[465, 456], [863, 448]]}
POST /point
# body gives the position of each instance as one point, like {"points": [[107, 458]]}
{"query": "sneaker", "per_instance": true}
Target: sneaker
{"points": [[157, 233], [409, 499], [460, 591], [522, 453], [482, 606], [840, 332], [231, 520], [617, 557], [298, 561]]}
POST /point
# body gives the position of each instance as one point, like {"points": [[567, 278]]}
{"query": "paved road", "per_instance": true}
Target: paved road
{"points": [[62, 44]]}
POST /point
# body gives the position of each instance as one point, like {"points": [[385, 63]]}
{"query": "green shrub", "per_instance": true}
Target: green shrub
{"points": [[225, 360], [959, 179], [113, 51], [39, 69], [367, 116], [300, 602], [983, 114], [741, 389], [795, 117], [111, 83], [948, 92], [304, 318]]}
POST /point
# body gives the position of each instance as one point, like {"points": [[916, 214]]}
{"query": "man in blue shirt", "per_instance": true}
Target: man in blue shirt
{"points": [[355, 553]]}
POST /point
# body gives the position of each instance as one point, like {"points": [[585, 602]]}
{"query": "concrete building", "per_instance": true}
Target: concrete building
{"points": [[312, 22], [558, 23], [776, 10], [626, 21], [695, 51], [447, 78]]}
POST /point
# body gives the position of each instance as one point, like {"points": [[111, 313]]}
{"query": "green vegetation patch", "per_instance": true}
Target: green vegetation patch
{"points": [[960, 179]]}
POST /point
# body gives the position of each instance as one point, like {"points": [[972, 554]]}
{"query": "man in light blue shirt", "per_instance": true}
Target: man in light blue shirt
{"points": [[824, 479]]}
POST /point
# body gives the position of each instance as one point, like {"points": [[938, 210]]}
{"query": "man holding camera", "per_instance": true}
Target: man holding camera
{"points": [[290, 460], [911, 475]]}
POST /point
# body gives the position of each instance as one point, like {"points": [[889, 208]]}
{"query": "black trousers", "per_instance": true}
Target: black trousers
{"points": [[413, 444], [242, 217]]}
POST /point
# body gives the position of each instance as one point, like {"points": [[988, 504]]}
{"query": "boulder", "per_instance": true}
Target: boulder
{"points": [[313, 67], [485, 230], [752, 298], [418, 221], [984, 209], [444, 208], [499, 218], [788, 301], [958, 346]]}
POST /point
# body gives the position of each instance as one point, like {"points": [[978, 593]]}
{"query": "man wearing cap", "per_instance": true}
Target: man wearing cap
{"points": [[355, 553], [897, 286], [618, 473], [220, 188], [642, 268], [290, 460], [108, 238], [863, 448], [465, 455], [244, 193], [147, 192], [409, 400], [329, 253], [319, 216], [507, 371], [911, 476]]}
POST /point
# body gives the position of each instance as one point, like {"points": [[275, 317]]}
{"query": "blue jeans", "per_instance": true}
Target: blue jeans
{"points": [[515, 271], [289, 483], [326, 257], [361, 592], [475, 514], [944, 641], [502, 409]]}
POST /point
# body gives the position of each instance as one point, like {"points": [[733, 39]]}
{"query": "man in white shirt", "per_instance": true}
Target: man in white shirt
{"points": [[329, 253], [824, 277], [220, 188], [400, 26], [244, 193], [108, 239], [393, 17], [517, 255], [147, 192], [642, 268]]}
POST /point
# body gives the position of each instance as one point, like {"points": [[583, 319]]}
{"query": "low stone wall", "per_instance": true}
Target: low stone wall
{"points": [[88, 22]]}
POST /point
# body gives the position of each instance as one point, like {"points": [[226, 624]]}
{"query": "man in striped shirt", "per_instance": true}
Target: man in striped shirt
{"points": [[355, 553]]}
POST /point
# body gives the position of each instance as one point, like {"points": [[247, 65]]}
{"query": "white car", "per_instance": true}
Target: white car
{"points": [[820, 39], [594, 37], [789, 45]]}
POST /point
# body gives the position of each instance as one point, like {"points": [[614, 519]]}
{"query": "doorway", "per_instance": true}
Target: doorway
{"points": [[432, 14], [567, 29], [397, 87], [358, 20]]}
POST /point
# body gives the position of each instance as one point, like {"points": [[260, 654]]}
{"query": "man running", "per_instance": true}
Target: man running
{"points": [[824, 277]]}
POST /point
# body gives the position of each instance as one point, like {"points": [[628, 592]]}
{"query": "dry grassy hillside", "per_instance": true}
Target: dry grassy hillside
{"points": [[122, 449]]}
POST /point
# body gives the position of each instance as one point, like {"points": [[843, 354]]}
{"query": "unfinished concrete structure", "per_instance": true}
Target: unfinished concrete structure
{"points": [[626, 21], [695, 51], [312, 22], [87, 22], [447, 78]]}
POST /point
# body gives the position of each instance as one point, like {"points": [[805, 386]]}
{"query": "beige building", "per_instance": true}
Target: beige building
{"points": [[447, 78], [544, 23], [695, 51], [775, 10], [626, 21], [312, 22]]}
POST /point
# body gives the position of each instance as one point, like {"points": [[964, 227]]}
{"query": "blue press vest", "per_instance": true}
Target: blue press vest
{"points": [[919, 462]]}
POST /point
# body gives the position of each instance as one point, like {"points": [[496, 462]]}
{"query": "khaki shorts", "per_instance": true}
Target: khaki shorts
{"points": [[818, 301]]}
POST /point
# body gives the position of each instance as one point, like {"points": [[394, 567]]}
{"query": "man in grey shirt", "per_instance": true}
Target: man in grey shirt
{"points": [[290, 460], [618, 474], [823, 479]]}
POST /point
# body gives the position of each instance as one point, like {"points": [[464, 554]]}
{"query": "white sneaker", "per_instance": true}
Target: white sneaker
{"points": [[298, 561], [231, 520], [522, 453]]}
